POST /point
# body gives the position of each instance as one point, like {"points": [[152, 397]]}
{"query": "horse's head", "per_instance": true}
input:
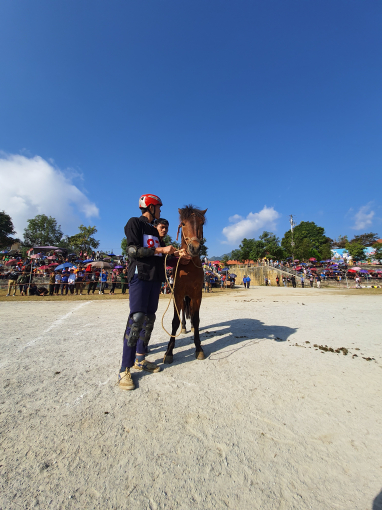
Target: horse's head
{"points": [[192, 220]]}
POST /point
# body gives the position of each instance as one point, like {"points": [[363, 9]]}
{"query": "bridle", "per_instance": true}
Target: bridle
{"points": [[188, 241]]}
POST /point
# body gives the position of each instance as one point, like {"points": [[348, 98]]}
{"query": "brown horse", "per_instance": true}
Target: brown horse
{"points": [[188, 287]]}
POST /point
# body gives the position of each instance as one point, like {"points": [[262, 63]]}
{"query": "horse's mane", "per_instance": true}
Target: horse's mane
{"points": [[188, 211]]}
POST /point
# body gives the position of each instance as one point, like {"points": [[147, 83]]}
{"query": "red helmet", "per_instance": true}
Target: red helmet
{"points": [[149, 199]]}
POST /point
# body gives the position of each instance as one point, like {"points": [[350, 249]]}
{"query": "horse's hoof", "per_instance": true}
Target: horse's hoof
{"points": [[199, 355], [183, 331], [167, 360]]}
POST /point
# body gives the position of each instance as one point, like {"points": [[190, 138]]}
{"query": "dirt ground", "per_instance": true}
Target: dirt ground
{"points": [[274, 418]]}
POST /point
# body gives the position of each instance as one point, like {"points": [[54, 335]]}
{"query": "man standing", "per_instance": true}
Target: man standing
{"points": [[52, 279], [12, 282], [293, 280], [145, 274]]}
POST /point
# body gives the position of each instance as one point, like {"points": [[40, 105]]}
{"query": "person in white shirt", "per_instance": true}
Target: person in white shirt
{"points": [[57, 282], [71, 281]]}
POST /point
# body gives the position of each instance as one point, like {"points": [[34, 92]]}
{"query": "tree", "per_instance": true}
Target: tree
{"points": [[224, 260], [258, 250], [168, 240], [272, 246], [341, 242], [307, 236], [83, 241], [42, 231], [378, 251], [365, 239], [244, 251], [124, 246], [356, 250], [203, 248], [6, 230]]}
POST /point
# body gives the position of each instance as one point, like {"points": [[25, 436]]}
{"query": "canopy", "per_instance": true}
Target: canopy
{"points": [[44, 248], [12, 262], [65, 265], [101, 264]]}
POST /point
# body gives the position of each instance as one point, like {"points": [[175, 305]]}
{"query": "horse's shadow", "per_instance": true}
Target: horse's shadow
{"points": [[237, 332]]}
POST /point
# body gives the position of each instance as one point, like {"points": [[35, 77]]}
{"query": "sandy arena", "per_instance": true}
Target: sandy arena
{"points": [[267, 421]]}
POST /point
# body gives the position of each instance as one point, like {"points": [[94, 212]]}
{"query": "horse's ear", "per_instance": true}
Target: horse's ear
{"points": [[179, 211], [204, 212]]}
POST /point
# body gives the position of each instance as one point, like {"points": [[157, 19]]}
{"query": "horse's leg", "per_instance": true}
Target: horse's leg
{"points": [[184, 330], [169, 357], [199, 354], [192, 325]]}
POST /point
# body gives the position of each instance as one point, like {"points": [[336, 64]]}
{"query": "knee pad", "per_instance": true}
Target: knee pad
{"points": [[134, 327], [148, 328]]}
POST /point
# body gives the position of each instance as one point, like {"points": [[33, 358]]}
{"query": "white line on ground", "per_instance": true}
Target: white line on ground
{"points": [[55, 324]]}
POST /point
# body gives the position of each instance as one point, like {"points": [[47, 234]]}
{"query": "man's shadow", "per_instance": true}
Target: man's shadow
{"points": [[238, 334]]}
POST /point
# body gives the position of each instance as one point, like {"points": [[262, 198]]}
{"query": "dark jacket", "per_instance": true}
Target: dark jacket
{"points": [[140, 233]]}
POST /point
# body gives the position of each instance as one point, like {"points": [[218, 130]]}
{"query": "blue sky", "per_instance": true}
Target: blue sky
{"points": [[252, 109]]}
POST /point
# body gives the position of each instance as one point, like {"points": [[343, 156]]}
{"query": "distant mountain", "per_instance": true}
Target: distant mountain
{"points": [[212, 257]]}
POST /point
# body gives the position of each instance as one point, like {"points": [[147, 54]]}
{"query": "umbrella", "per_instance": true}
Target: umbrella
{"points": [[312, 259], [233, 275], [101, 264], [303, 264], [118, 267], [52, 257], [356, 269], [44, 267], [296, 260], [12, 262], [65, 265], [313, 269], [111, 254], [88, 261], [364, 271], [53, 264], [36, 256], [297, 268], [224, 269]]}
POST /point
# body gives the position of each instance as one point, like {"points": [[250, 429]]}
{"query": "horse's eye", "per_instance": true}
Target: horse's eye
{"points": [[183, 224]]}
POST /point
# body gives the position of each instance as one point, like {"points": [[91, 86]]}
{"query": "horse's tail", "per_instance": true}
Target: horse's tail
{"points": [[187, 308]]}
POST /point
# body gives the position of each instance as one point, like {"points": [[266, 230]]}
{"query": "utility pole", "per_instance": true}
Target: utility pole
{"points": [[292, 224]]}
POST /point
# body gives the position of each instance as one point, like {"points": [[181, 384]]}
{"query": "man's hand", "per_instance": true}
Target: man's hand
{"points": [[167, 250]]}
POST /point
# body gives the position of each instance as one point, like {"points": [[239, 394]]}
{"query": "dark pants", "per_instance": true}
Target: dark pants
{"points": [[92, 286], [123, 287], [294, 284], [143, 297], [51, 288], [64, 287], [56, 288], [113, 285]]}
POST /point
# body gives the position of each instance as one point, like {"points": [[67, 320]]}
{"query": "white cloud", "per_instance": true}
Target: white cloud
{"points": [[247, 227], [363, 218], [31, 186]]}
